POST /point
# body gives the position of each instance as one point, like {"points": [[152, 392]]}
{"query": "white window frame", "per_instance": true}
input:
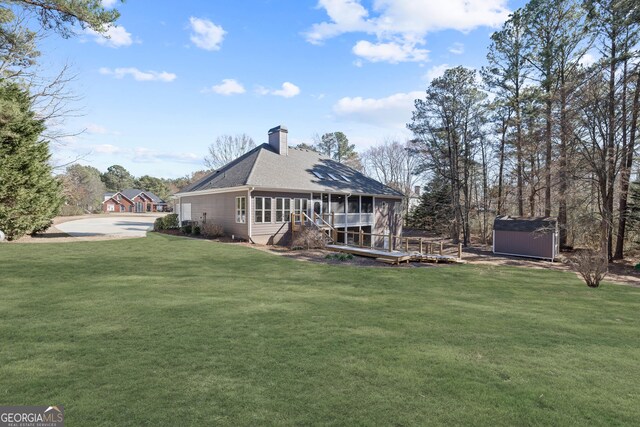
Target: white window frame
{"points": [[260, 215], [283, 210], [241, 209]]}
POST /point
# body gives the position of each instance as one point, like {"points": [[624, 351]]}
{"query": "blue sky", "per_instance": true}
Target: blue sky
{"points": [[174, 76]]}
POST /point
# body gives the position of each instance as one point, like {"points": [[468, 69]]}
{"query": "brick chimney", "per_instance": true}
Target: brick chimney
{"points": [[278, 140]]}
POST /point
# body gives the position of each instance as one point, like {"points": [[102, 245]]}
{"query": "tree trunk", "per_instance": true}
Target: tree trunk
{"points": [[611, 155], [627, 160], [562, 173], [547, 165], [501, 166]]}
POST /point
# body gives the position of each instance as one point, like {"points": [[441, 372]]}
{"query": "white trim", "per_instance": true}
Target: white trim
{"points": [[280, 190], [238, 210], [493, 241], [249, 214], [524, 256], [214, 191]]}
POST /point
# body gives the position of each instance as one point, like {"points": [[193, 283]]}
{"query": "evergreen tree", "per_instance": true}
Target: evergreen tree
{"points": [[29, 195], [117, 178], [434, 211], [157, 186], [336, 145]]}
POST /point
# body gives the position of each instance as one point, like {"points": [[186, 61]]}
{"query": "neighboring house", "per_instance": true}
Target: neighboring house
{"points": [[254, 196], [133, 200]]}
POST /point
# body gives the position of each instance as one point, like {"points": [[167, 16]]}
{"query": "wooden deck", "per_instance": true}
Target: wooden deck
{"points": [[394, 257]]}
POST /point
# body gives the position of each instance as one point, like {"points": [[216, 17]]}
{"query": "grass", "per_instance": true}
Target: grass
{"points": [[170, 331]]}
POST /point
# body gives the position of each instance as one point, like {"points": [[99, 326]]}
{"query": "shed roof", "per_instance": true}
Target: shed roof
{"points": [[300, 170], [527, 224]]}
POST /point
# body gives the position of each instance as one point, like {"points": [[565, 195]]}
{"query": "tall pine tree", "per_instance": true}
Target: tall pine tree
{"points": [[30, 195]]}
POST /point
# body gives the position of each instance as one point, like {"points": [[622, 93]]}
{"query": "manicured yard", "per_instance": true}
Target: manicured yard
{"points": [[169, 331]]}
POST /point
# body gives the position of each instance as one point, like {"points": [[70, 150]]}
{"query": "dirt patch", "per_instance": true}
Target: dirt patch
{"points": [[619, 272]]}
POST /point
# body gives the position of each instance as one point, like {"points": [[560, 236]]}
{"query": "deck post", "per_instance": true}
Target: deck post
{"points": [[406, 244], [459, 250], [421, 245], [334, 235], [390, 242], [441, 243], [360, 238], [333, 219]]}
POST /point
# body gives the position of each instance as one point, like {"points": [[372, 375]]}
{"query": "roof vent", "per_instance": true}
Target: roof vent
{"points": [[278, 140]]}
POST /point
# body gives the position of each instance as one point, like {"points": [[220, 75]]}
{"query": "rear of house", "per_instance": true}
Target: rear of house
{"points": [[254, 196]]}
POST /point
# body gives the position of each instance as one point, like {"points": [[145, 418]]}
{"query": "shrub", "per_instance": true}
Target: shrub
{"points": [[637, 267], [170, 221], [71, 210], [158, 224], [211, 231], [310, 238], [339, 257], [592, 265], [186, 229], [195, 230]]}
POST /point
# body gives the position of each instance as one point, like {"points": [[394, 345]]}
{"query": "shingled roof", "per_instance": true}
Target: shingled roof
{"points": [[527, 224], [300, 169]]}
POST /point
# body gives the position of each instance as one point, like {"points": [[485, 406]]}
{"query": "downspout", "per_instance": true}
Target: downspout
{"points": [[249, 213]]}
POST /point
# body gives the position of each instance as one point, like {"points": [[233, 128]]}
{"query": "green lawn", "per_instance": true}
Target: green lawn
{"points": [[169, 331]]}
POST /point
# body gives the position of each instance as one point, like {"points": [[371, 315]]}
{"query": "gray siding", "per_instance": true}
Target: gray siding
{"points": [[522, 243], [220, 209], [273, 233]]}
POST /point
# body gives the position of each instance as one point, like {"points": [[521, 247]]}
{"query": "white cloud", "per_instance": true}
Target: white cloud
{"points": [[96, 129], [109, 3], [227, 87], [389, 52], [435, 72], [403, 23], [588, 59], [113, 37], [107, 149], [288, 90], [394, 110], [141, 76], [205, 34], [146, 155], [457, 48], [346, 16]]}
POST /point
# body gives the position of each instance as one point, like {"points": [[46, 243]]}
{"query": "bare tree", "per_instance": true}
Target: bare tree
{"points": [[227, 148], [393, 164]]}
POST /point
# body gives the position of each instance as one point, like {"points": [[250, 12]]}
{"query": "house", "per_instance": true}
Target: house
{"points": [[133, 200], [254, 196], [531, 237]]}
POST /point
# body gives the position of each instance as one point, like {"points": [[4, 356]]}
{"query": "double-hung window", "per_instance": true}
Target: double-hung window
{"points": [[283, 209], [241, 209], [263, 209]]}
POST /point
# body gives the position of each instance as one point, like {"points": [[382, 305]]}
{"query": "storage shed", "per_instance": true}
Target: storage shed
{"points": [[531, 237]]}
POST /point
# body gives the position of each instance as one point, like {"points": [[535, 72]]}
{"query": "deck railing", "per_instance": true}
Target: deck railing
{"points": [[389, 243]]}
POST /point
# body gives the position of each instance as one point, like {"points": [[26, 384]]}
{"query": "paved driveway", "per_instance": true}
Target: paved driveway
{"points": [[122, 226]]}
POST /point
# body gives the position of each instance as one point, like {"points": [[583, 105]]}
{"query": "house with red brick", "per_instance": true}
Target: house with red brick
{"points": [[132, 200]]}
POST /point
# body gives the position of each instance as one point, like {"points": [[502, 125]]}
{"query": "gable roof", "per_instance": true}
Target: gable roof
{"points": [[527, 224], [132, 193], [301, 169]]}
